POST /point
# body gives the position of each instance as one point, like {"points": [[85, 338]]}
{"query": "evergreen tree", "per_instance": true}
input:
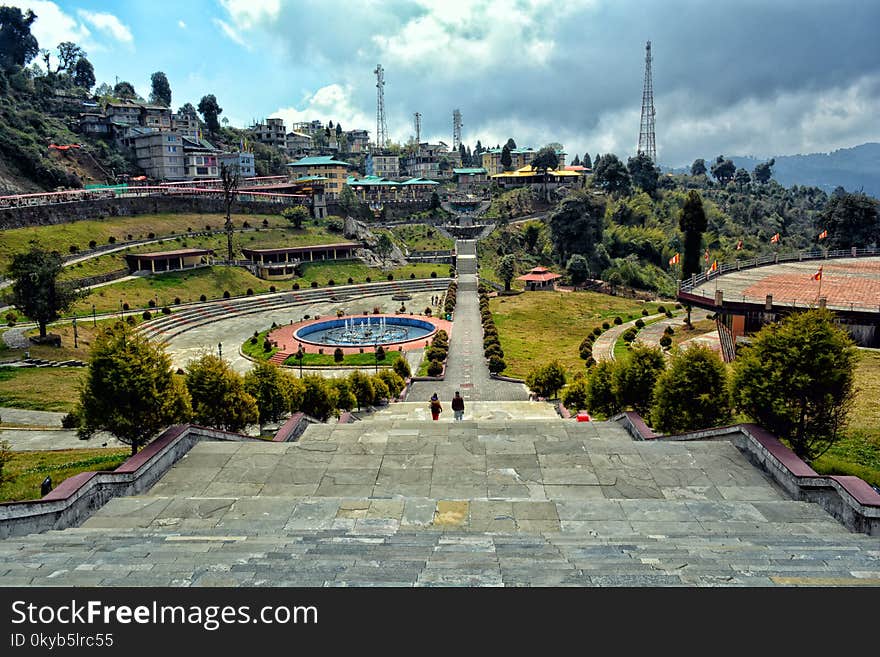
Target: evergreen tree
{"points": [[210, 110], [692, 393], [17, 45], [506, 160], [587, 162], [161, 89], [218, 396], [692, 222], [36, 291]]}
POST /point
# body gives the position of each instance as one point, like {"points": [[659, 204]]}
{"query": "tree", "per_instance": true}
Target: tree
{"points": [[698, 168], [345, 401], [229, 179], [129, 388], [210, 111], [218, 396], [574, 397], [362, 388], [635, 378], [507, 269], [576, 225], [125, 91], [319, 397], [764, 171], [36, 291], [506, 160], [545, 160], [511, 145], [723, 170], [187, 109], [692, 393], [587, 162], [601, 397], [851, 220], [742, 178], [548, 380], [496, 364], [531, 232], [611, 176], [692, 222], [393, 380], [578, 268], [17, 45], [272, 389], [84, 74], [161, 89], [435, 202], [68, 55], [384, 247], [576, 162], [796, 381], [296, 215], [644, 173], [401, 368]]}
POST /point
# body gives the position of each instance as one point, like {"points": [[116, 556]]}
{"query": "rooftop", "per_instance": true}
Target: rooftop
{"points": [[159, 255], [318, 161], [469, 171]]}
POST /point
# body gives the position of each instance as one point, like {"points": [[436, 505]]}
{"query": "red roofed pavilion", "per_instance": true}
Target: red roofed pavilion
{"points": [[539, 278]]}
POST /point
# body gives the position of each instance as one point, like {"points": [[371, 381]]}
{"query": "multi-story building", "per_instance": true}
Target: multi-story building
{"points": [[185, 124], [358, 141], [123, 113], [160, 154], [333, 172], [432, 161], [519, 157], [201, 159], [92, 123], [271, 133], [308, 127], [241, 162], [156, 117], [385, 165], [298, 144]]}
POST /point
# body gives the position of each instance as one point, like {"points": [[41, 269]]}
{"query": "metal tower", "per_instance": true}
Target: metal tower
{"points": [[647, 141], [417, 124], [456, 129], [381, 126]]}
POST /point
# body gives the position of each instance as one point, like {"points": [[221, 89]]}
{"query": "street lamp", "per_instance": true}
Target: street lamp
{"points": [[94, 318], [299, 356], [75, 336], [220, 350]]}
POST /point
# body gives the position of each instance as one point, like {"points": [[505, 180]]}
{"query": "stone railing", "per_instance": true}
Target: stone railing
{"points": [[849, 499]]}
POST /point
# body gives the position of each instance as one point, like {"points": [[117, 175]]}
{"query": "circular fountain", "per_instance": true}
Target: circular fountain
{"points": [[365, 330]]}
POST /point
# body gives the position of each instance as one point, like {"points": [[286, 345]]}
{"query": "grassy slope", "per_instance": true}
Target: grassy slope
{"points": [[26, 470], [421, 237], [536, 327], [40, 388]]}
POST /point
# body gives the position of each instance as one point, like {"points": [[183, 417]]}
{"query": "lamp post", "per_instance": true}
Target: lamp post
{"points": [[376, 354], [220, 350], [299, 356], [75, 336], [94, 318]]}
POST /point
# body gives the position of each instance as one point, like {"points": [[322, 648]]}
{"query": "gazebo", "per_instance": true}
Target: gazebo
{"points": [[539, 278]]}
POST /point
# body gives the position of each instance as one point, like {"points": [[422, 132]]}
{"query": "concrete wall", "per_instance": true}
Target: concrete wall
{"points": [[60, 213]]}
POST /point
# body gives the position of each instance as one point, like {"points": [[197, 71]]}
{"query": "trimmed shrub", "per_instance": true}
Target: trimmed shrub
{"points": [[665, 341], [433, 274], [331, 282], [314, 283], [92, 244], [645, 312], [151, 303], [629, 335], [493, 350], [597, 331], [125, 306], [166, 310], [497, 365], [369, 280], [203, 298], [390, 277], [669, 330], [640, 324], [271, 288], [146, 314], [435, 368], [412, 275], [338, 355], [176, 301], [226, 294], [73, 248], [111, 240], [295, 286], [618, 321], [661, 309], [401, 368], [350, 280], [606, 325]]}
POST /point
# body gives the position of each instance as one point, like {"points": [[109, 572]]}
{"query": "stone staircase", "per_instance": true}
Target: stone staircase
{"points": [[513, 495]]}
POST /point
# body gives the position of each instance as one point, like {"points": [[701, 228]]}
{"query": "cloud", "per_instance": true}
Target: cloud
{"points": [[53, 26], [231, 33], [107, 24], [246, 14], [330, 103], [181, 25]]}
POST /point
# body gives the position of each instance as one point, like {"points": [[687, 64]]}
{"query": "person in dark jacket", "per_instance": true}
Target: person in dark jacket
{"points": [[436, 408], [458, 406]]}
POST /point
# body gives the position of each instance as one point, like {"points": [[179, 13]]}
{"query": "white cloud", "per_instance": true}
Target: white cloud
{"points": [[231, 33], [53, 25], [246, 14], [330, 103], [181, 25], [107, 24]]}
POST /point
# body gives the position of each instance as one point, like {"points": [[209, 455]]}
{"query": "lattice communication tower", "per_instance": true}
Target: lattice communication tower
{"points": [[647, 140], [456, 129], [417, 124], [381, 126]]}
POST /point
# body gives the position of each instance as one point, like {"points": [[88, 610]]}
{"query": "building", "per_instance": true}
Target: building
{"points": [[298, 144], [271, 133], [201, 159], [241, 162], [358, 141], [539, 278], [527, 176], [374, 188], [122, 113], [155, 117], [519, 157], [426, 161], [418, 188], [185, 124], [275, 264], [166, 260], [159, 154], [93, 123], [333, 172], [386, 165], [470, 177]]}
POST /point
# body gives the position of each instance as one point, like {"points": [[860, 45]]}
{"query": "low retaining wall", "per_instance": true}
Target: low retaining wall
{"points": [[78, 497], [295, 426], [849, 499]]}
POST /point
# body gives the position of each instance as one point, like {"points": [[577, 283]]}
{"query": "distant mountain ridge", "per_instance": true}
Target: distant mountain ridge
{"points": [[854, 169]]}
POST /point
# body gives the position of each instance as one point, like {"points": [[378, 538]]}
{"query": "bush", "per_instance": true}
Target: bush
{"points": [[390, 277], [401, 368], [71, 420], [601, 395], [146, 315], [130, 320], [497, 365], [692, 393], [669, 330], [151, 303], [433, 274], [669, 313], [661, 309], [176, 301], [151, 235], [129, 237], [125, 306], [548, 380], [597, 331], [428, 311], [338, 355], [11, 317], [645, 312], [314, 283], [249, 292], [246, 224], [73, 248], [493, 350], [606, 325], [435, 368], [574, 397], [203, 298], [111, 240], [435, 353], [226, 294], [207, 227], [166, 310], [265, 223], [350, 280], [369, 280], [331, 282], [412, 275], [295, 286], [634, 379], [629, 335], [271, 288], [640, 324], [618, 321], [92, 244], [678, 306]]}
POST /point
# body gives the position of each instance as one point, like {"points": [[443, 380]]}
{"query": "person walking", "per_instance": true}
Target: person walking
{"points": [[458, 406], [436, 408]]}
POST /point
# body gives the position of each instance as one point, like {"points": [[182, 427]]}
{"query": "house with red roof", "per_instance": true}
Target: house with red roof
{"points": [[539, 278]]}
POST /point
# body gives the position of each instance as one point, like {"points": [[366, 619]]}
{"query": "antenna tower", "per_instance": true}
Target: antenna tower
{"points": [[456, 129], [381, 126], [417, 124], [647, 141]]}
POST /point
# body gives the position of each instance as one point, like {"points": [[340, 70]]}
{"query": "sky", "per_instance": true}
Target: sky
{"points": [[732, 77]]}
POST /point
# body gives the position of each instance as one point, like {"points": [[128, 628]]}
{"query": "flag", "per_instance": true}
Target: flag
{"points": [[706, 257], [714, 266], [774, 239], [818, 275], [674, 260], [739, 245], [823, 234]]}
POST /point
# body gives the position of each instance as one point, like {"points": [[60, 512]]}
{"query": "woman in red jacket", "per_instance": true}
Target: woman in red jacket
{"points": [[436, 408]]}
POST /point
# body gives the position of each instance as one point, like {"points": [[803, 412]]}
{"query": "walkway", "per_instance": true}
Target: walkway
{"points": [[603, 347], [466, 369]]}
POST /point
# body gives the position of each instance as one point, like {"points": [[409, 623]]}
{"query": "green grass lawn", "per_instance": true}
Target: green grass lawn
{"points": [[537, 327], [421, 237], [349, 360], [80, 233], [25, 471], [40, 388]]}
